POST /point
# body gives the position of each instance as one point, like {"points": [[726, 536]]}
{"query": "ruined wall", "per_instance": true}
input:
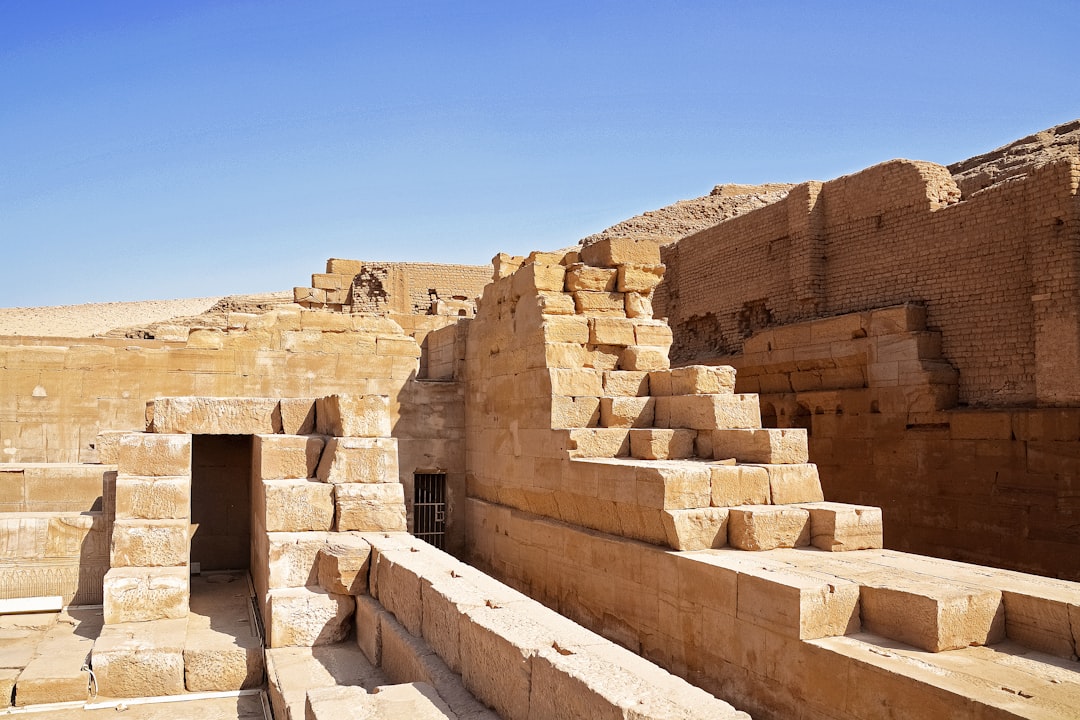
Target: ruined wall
{"points": [[997, 272]]}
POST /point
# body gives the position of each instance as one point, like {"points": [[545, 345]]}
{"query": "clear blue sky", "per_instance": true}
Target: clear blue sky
{"points": [[185, 148]]}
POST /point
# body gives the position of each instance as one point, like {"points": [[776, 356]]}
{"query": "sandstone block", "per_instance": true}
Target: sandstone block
{"points": [[603, 357], [734, 485], [343, 565], [696, 528], [644, 357], [340, 266], [933, 614], [661, 444], [370, 508], [369, 615], [639, 278], [141, 594], [153, 498], [626, 412], [765, 527], [353, 415], [7, 685], [556, 355], [555, 303], [307, 617], [359, 460], [612, 252], [626, 383], [837, 526], [801, 605], [150, 543], [504, 265], [599, 303], [569, 412], [580, 276], [297, 415], [766, 445], [599, 442], [151, 454], [215, 416], [213, 663], [295, 505], [702, 380], [638, 305], [565, 329], [708, 412], [143, 659], [107, 444], [538, 277], [794, 483], [576, 382], [292, 558], [611, 331], [286, 456], [655, 333], [397, 346]]}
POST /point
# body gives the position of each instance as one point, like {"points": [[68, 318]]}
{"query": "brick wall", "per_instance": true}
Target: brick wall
{"points": [[998, 272]]}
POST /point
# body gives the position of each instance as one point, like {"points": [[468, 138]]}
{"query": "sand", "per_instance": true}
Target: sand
{"points": [[96, 318]]}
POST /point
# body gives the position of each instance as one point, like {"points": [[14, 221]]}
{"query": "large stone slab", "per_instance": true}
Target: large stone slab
{"points": [[215, 416], [370, 507], [765, 527], [353, 416], [137, 594], [307, 617], [150, 543], [359, 460], [153, 498], [343, 564], [295, 505], [286, 456], [142, 659], [152, 454]]}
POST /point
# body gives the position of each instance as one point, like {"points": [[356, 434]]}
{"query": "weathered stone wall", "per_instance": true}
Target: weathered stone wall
{"points": [[998, 272]]}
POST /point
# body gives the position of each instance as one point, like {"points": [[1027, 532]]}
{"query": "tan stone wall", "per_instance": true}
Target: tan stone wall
{"points": [[997, 272]]}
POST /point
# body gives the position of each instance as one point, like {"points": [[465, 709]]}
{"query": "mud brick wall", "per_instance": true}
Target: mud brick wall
{"points": [[410, 287], [998, 272]]}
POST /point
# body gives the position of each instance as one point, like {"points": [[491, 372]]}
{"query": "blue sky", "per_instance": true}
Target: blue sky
{"points": [[180, 149]]}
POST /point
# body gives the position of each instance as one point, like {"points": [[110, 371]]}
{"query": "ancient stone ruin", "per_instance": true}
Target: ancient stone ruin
{"points": [[646, 477]]}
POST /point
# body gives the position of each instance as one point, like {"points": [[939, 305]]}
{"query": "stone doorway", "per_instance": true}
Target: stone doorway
{"points": [[221, 471]]}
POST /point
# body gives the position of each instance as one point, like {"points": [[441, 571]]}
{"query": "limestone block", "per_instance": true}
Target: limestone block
{"points": [[538, 277], [339, 266], [612, 252], [7, 685], [801, 605], [702, 380], [767, 445], [446, 596], [739, 485], [292, 558], [504, 265], [611, 331], [626, 412], [660, 383], [580, 276], [286, 456], [151, 454], [107, 444], [153, 498], [603, 357], [295, 505], [359, 460], [54, 666], [307, 617], [794, 483], [696, 528], [141, 594], [765, 527], [626, 383], [933, 614], [343, 565], [599, 303], [406, 701], [708, 412], [663, 485], [497, 647], [353, 415], [143, 659], [216, 662], [370, 507], [297, 415], [661, 444], [638, 306], [150, 543], [308, 295], [583, 382], [644, 357], [215, 416], [599, 442], [565, 329], [400, 346], [655, 333], [555, 303], [369, 615], [639, 278], [838, 526], [570, 412]]}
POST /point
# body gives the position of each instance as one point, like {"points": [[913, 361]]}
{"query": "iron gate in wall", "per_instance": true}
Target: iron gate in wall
{"points": [[429, 508]]}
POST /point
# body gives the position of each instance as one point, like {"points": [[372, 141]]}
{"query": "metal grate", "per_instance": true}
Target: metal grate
{"points": [[429, 508]]}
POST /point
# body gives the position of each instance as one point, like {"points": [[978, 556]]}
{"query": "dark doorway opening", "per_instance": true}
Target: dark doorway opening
{"points": [[429, 508], [221, 501]]}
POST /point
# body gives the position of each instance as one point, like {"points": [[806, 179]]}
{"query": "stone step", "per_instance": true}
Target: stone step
{"points": [[140, 659], [766, 445], [842, 527], [707, 412], [408, 701], [766, 527], [693, 380], [885, 679], [293, 671], [598, 442], [223, 649], [927, 612], [57, 672]]}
